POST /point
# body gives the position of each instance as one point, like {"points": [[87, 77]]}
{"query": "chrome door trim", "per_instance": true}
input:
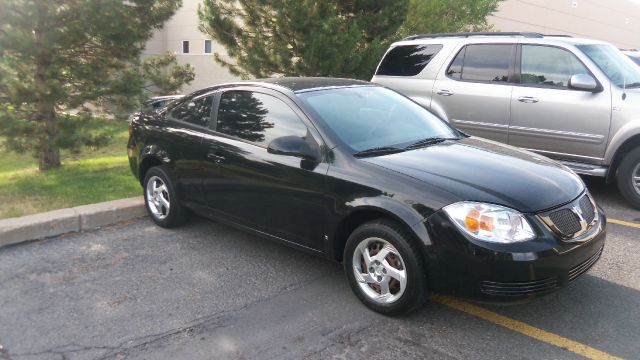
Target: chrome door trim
{"points": [[503, 128], [557, 134]]}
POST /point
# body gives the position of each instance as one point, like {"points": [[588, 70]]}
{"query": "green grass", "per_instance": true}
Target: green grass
{"points": [[94, 175]]}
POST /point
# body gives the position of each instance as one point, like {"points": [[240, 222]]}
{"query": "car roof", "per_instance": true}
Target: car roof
{"points": [[496, 37], [165, 97], [292, 84]]}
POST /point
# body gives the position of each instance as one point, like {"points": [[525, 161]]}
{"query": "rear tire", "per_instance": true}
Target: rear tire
{"points": [[628, 177], [385, 268], [162, 201]]}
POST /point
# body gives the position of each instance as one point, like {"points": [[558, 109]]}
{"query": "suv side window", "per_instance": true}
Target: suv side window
{"points": [[483, 62], [548, 66], [195, 111], [407, 60], [257, 117]]}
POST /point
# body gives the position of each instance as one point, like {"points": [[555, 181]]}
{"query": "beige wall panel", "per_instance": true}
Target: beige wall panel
{"points": [[615, 21]]}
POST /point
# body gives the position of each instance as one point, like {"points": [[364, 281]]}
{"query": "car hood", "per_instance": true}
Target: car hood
{"points": [[475, 169]]}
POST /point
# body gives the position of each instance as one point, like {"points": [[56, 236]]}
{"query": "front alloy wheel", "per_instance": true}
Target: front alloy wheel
{"points": [[385, 268], [379, 270]]}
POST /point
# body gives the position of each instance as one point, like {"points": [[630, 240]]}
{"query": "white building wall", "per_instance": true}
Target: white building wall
{"points": [[614, 21], [184, 26]]}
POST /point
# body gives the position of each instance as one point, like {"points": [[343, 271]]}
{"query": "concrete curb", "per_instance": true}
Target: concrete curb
{"points": [[79, 218]]}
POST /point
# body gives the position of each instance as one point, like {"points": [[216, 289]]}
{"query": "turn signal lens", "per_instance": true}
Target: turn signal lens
{"points": [[471, 221], [488, 222]]}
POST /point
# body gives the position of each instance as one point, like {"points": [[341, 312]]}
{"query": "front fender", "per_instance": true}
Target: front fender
{"points": [[400, 211], [626, 132]]}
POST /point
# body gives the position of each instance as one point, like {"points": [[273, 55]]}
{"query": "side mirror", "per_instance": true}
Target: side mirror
{"points": [[294, 146], [583, 82]]}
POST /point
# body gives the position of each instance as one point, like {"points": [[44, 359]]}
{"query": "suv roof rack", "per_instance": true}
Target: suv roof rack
{"points": [[468, 34]]}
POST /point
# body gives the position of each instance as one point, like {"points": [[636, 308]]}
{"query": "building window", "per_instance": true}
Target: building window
{"points": [[185, 47], [207, 46]]}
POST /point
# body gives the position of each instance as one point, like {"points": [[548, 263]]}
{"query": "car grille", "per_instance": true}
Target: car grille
{"points": [[566, 221], [584, 266], [518, 288], [588, 211]]}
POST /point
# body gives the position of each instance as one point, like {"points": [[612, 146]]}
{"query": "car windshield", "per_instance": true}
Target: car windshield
{"points": [[369, 118], [618, 67]]}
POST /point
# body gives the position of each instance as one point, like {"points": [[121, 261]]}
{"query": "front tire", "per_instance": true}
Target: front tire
{"points": [[385, 268], [161, 199], [628, 177]]}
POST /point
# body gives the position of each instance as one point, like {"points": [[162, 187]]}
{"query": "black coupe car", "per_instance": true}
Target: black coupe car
{"points": [[361, 174]]}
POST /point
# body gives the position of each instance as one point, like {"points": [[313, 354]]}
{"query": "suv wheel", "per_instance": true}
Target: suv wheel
{"points": [[385, 268], [629, 177], [161, 199]]}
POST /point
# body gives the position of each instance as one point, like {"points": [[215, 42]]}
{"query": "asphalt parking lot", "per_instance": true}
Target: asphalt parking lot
{"points": [[207, 291]]}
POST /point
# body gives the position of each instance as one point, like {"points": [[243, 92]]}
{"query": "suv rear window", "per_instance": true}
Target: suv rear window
{"points": [[407, 60], [485, 62]]}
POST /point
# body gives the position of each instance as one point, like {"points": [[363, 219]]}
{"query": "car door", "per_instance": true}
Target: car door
{"points": [[473, 92], [182, 141], [549, 117], [275, 194]]}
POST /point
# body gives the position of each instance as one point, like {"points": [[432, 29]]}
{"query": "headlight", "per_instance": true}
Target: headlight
{"points": [[492, 223]]}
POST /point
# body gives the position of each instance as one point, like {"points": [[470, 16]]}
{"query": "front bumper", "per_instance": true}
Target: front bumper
{"points": [[462, 266]]}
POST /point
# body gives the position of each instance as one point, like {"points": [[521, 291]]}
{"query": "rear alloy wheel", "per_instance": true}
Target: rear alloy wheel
{"points": [[384, 268], [628, 177], [161, 199]]}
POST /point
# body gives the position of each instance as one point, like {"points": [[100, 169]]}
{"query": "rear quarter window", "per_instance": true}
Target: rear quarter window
{"points": [[407, 60]]}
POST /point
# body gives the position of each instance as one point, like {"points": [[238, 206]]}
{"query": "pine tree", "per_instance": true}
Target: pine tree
{"points": [[340, 38], [437, 16], [60, 55]]}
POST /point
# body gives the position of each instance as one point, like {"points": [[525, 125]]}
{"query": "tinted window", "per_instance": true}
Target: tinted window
{"points": [[257, 117], [548, 66], [368, 117], [488, 62], [195, 111], [455, 69], [407, 60]]}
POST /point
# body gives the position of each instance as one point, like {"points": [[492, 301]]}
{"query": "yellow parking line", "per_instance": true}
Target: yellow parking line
{"points": [[625, 223], [525, 329]]}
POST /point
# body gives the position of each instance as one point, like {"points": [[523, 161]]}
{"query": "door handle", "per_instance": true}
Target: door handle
{"points": [[216, 157], [528, 99], [444, 92]]}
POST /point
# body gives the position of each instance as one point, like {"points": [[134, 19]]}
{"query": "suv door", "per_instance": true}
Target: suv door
{"points": [[549, 117], [474, 91], [275, 194]]}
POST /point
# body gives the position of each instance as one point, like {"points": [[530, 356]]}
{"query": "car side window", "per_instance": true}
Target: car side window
{"points": [[483, 62], [257, 117], [195, 111], [548, 66], [407, 60]]}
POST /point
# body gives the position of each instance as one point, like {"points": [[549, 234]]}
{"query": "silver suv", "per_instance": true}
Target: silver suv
{"points": [[574, 100]]}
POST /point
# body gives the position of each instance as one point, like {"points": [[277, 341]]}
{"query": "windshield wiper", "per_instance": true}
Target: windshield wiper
{"points": [[426, 142], [633, 85], [383, 150]]}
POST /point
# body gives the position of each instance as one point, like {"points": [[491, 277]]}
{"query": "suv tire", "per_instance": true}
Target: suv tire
{"points": [[627, 172]]}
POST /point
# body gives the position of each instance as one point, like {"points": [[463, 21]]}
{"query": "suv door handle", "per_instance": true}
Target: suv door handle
{"points": [[444, 92], [528, 99], [217, 158]]}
